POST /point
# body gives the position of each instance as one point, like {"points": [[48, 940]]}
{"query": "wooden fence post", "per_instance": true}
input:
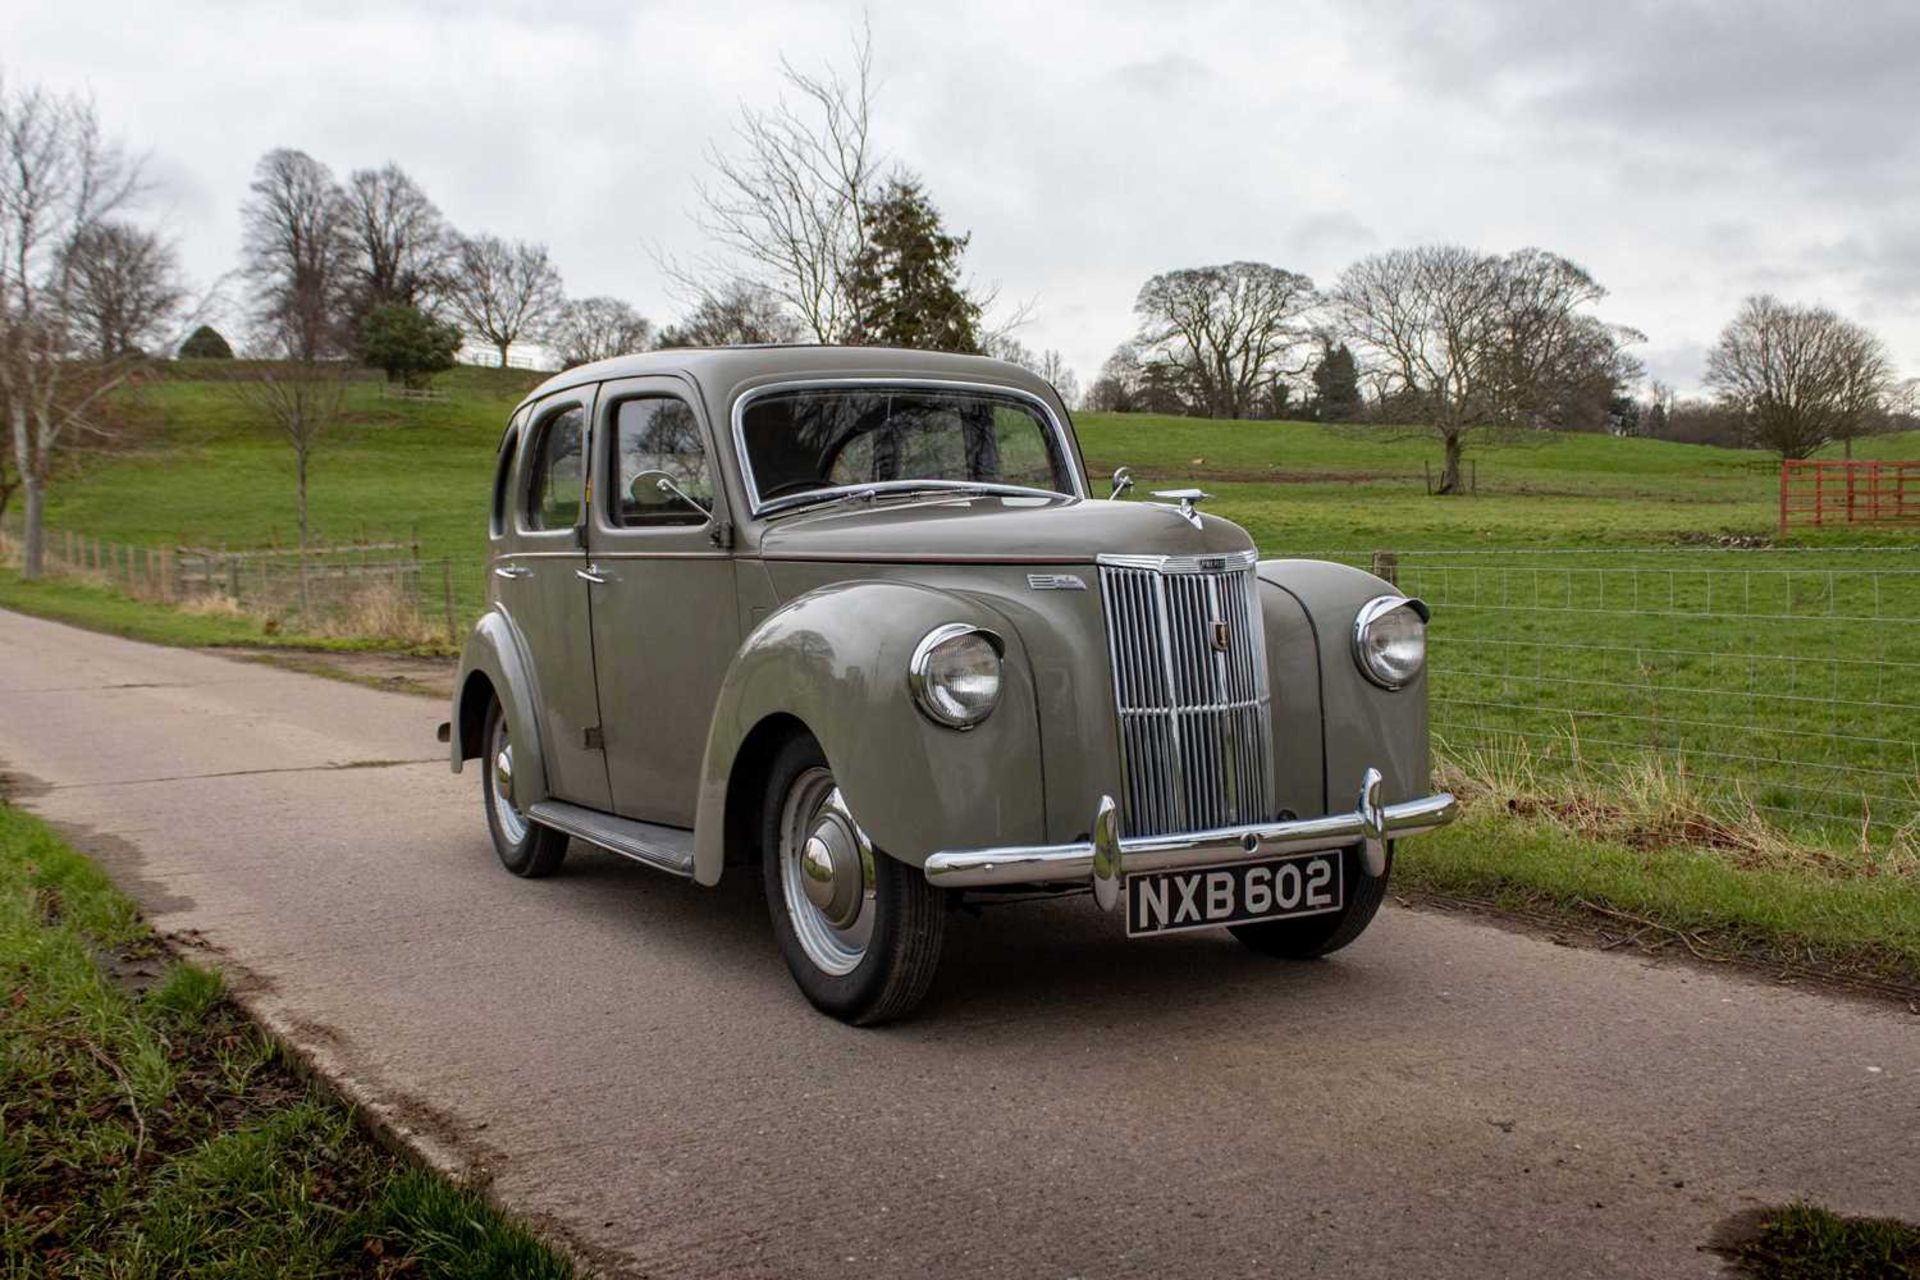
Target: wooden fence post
{"points": [[446, 591], [1386, 564]]}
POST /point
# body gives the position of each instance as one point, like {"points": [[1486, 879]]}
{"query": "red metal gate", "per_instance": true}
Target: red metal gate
{"points": [[1839, 493]]}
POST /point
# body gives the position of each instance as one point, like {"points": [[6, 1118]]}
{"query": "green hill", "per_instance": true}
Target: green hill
{"points": [[196, 470]]}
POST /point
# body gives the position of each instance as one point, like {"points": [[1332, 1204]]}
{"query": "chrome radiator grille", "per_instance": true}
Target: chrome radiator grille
{"points": [[1190, 681]]}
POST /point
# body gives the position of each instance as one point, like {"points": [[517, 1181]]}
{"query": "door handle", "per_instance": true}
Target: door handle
{"points": [[510, 571], [592, 574]]}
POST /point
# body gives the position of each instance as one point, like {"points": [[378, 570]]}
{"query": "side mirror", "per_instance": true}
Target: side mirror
{"points": [[1122, 481]]}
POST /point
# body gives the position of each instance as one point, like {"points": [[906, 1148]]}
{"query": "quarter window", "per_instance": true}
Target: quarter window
{"points": [[657, 439], [553, 492]]}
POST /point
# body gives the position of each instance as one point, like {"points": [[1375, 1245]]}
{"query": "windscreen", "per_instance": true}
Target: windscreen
{"points": [[819, 439]]}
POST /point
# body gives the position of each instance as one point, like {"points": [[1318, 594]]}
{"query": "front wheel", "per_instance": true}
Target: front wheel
{"points": [[525, 847], [860, 931], [1310, 937]]}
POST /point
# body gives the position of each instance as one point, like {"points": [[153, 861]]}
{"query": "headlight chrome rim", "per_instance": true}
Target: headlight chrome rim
{"points": [[1371, 613], [926, 691]]}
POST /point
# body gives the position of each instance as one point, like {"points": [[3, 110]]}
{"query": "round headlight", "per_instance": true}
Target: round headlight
{"points": [[955, 674], [1390, 640]]}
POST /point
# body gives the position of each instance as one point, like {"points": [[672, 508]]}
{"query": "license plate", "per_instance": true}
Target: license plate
{"points": [[1233, 893]]}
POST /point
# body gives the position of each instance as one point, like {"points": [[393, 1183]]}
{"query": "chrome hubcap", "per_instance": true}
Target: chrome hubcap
{"points": [[826, 874], [513, 824]]}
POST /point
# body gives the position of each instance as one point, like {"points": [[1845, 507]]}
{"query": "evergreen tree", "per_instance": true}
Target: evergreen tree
{"points": [[205, 343], [1336, 386], [409, 345], [905, 286]]}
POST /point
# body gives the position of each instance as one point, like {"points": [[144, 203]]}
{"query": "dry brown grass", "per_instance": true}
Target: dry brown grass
{"points": [[213, 605], [1653, 805], [379, 610]]}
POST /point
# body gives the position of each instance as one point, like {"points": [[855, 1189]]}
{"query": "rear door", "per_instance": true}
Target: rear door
{"points": [[665, 622], [541, 585]]}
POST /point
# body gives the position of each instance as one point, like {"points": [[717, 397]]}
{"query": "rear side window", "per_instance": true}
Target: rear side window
{"points": [[559, 471], [503, 468], [654, 439]]}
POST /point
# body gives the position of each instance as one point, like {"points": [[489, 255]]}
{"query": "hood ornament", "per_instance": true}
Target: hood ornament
{"points": [[1188, 499]]}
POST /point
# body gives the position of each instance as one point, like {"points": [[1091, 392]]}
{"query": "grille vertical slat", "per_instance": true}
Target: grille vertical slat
{"points": [[1193, 717]]}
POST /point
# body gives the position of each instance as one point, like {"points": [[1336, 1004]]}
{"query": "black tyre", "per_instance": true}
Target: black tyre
{"points": [[1314, 936], [860, 931], [525, 847]]}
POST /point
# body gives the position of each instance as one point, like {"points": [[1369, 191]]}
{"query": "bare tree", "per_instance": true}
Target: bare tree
{"points": [[298, 400], [1799, 377], [1229, 333], [737, 314], [60, 180], [297, 254], [1049, 365], [403, 250], [1456, 341], [505, 292], [790, 208], [592, 329], [122, 289], [1053, 367]]}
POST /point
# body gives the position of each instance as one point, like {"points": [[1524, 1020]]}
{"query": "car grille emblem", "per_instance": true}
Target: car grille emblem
{"points": [[1222, 636]]}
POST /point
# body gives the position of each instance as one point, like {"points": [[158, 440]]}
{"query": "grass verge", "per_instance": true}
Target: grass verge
{"points": [[1805, 1242], [99, 607], [149, 1129], [1853, 922]]}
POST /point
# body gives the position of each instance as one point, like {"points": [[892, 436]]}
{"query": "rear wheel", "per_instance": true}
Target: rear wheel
{"points": [[860, 931], [1313, 936], [525, 847]]}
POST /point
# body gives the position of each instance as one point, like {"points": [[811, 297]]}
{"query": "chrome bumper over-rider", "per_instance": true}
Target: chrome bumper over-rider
{"points": [[1107, 859]]}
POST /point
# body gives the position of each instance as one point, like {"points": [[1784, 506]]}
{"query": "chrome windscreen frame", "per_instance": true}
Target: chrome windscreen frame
{"points": [[1063, 442]]}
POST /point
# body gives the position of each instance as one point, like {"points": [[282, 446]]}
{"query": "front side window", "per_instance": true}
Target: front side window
{"points": [[819, 440], [657, 439], [555, 487]]}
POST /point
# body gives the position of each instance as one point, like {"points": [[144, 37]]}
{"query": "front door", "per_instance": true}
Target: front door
{"points": [[665, 625], [541, 587]]}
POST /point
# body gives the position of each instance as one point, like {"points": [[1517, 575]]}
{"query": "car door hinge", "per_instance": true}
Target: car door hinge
{"points": [[593, 739]]}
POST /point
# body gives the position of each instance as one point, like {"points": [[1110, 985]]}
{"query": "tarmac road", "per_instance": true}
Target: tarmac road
{"points": [[624, 1055]]}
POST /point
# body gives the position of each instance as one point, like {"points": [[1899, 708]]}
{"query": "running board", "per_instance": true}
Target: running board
{"points": [[666, 849]]}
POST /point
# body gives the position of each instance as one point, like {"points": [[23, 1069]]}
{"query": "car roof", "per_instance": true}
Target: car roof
{"points": [[723, 372]]}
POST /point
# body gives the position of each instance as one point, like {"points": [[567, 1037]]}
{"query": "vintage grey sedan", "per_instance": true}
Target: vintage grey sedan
{"points": [[851, 617]]}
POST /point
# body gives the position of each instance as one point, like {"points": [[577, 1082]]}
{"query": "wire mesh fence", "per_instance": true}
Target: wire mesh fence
{"points": [[377, 590], [1784, 682]]}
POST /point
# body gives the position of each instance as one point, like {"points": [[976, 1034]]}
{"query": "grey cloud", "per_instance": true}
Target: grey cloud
{"points": [[1687, 153], [1168, 73]]}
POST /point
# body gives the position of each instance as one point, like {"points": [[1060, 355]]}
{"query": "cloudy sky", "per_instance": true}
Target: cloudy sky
{"points": [[1686, 152]]}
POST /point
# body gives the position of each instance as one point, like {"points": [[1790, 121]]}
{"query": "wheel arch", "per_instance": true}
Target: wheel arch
{"points": [[747, 783], [493, 665], [834, 663]]}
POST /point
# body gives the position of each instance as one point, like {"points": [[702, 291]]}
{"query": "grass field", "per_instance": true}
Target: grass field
{"points": [[201, 473], [1597, 661], [148, 1130]]}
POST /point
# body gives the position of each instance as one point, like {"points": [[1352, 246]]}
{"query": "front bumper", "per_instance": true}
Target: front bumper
{"points": [[1106, 859]]}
